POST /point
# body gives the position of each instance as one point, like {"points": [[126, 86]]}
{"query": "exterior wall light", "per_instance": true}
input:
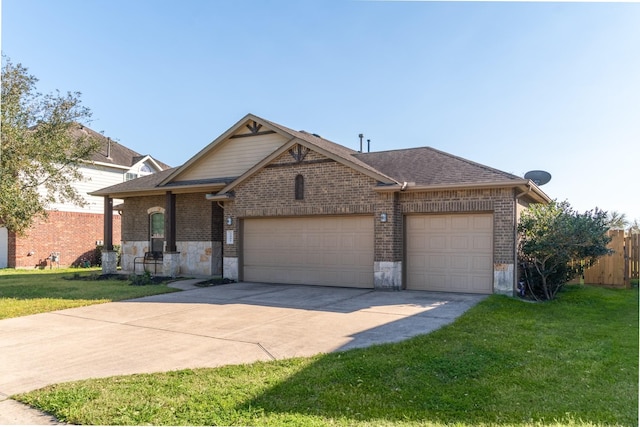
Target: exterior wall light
{"points": [[383, 217], [229, 220]]}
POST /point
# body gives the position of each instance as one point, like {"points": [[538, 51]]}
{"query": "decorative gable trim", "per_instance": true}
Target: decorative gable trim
{"points": [[254, 126], [305, 147]]}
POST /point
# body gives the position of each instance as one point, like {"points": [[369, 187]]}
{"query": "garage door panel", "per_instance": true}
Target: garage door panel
{"points": [[435, 262], [332, 251], [437, 242], [482, 263], [484, 223], [482, 243], [459, 223], [459, 243], [459, 263], [450, 252], [434, 223]]}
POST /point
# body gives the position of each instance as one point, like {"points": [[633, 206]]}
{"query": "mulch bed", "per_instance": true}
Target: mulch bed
{"points": [[214, 282]]}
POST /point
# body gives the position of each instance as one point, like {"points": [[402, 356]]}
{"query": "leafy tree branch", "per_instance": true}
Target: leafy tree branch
{"points": [[39, 153]]}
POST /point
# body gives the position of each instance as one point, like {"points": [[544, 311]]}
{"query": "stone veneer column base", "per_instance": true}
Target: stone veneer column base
{"points": [[387, 275], [230, 268], [503, 279], [109, 262], [171, 264]]}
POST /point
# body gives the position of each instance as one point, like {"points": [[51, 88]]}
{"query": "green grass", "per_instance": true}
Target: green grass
{"points": [[24, 292], [572, 361]]}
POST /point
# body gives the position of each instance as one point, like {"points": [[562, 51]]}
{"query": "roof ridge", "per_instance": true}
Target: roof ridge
{"points": [[340, 150]]}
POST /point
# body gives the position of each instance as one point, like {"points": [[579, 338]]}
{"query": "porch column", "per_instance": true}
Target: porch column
{"points": [[171, 258], [109, 256], [170, 221], [108, 223]]}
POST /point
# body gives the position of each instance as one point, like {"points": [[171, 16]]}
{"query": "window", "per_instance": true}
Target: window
{"points": [[299, 187], [156, 231]]}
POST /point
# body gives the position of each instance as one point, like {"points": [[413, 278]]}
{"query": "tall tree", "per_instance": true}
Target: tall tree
{"points": [[617, 220], [556, 243], [39, 156]]}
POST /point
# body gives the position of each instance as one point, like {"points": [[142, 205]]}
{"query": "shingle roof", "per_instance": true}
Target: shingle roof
{"points": [[143, 183], [110, 151], [428, 166], [330, 146], [422, 166]]}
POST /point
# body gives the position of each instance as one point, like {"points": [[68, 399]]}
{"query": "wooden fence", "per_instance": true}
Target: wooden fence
{"points": [[619, 268]]}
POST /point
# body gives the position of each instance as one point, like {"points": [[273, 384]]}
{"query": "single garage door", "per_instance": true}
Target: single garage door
{"points": [[329, 251], [452, 253]]}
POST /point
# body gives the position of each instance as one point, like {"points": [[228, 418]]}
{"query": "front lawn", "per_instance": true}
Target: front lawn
{"points": [[573, 361], [24, 292]]}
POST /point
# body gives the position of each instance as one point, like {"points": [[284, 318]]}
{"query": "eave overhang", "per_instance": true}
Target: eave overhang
{"points": [[526, 187], [109, 165], [177, 189], [219, 197]]}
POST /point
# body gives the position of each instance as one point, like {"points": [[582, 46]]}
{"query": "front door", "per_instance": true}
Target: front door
{"points": [[156, 231]]}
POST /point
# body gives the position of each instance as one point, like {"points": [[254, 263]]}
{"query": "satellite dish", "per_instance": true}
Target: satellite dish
{"points": [[539, 177]]}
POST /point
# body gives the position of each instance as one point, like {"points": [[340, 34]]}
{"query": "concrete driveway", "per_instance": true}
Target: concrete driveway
{"points": [[208, 327]]}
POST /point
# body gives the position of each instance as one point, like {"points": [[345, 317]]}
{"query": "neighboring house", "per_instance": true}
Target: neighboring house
{"points": [[266, 203], [72, 232]]}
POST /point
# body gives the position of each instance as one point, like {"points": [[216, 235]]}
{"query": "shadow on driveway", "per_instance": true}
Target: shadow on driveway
{"points": [[209, 327]]}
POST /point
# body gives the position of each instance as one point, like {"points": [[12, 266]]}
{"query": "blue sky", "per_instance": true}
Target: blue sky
{"points": [[515, 86]]}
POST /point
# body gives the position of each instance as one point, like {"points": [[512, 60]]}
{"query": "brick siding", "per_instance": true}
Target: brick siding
{"points": [[73, 234], [330, 188], [197, 219], [135, 219]]}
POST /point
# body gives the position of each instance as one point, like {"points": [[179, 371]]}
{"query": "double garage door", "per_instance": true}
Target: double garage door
{"points": [[330, 251], [452, 253]]}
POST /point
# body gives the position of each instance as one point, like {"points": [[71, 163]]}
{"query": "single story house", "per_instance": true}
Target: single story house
{"points": [[266, 203]]}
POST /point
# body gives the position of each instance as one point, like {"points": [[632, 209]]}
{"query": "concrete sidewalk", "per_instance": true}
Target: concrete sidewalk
{"points": [[206, 327]]}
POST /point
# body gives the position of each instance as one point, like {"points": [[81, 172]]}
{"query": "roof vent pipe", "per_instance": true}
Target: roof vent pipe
{"points": [[360, 136], [368, 145], [108, 148]]}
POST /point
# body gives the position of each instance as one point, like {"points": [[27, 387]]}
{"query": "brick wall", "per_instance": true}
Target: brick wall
{"points": [[388, 235], [135, 219], [334, 189], [73, 234], [197, 219], [330, 188]]}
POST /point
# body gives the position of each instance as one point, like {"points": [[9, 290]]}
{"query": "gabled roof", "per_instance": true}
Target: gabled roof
{"points": [[112, 152], [316, 142], [395, 170], [335, 151]]}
